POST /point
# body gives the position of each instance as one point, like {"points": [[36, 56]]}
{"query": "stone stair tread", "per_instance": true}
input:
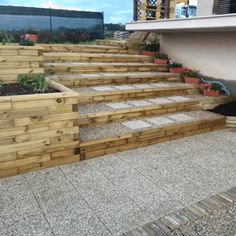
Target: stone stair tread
{"points": [[131, 87], [102, 64], [84, 54], [117, 129], [91, 109], [109, 75]]}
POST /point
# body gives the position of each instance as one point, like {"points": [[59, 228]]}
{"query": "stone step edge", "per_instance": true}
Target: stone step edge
{"points": [[137, 112], [198, 215], [121, 95], [100, 147]]}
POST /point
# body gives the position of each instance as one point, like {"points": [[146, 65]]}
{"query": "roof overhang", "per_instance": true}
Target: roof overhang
{"points": [[213, 23]]}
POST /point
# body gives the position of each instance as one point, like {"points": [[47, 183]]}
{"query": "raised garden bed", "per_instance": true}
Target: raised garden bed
{"points": [[38, 130], [228, 110]]}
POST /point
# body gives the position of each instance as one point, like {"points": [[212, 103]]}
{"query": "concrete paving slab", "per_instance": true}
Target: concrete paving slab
{"points": [[136, 125], [180, 117], [160, 101], [179, 98], [160, 121], [123, 87], [140, 103], [102, 88], [143, 86], [118, 105]]}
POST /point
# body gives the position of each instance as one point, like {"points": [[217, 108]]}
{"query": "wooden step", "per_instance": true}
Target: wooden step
{"points": [[84, 48], [132, 92], [117, 43], [74, 67], [85, 80], [93, 114], [94, 57], [115, 137]]}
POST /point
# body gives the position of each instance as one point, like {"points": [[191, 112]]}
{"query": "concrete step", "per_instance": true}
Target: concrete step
{"points": [[115, 93], [93, 67], [105, 139], [86, 80], [105, 42], [84, 48], [102, 113], [94, 57]]}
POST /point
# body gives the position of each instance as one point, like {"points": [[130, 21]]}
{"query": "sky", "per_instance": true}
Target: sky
{"points": [[115, 11]]}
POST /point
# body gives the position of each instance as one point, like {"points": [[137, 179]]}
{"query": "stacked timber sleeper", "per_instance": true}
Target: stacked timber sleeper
{"points": [[126, 101]]}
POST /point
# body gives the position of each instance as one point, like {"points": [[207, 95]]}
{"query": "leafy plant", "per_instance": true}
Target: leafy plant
{"points": [[26, 42], [190, 73], [161, 56], [23, 80], [175, 65], [30, 30], [39, 83], [153, 46]]}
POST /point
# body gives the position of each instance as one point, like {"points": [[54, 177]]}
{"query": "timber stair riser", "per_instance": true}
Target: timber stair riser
{"points": [[83, 57], [89, 68], [84, 49], [87, 81], [96, 148], [134, 94], [135, 113]]}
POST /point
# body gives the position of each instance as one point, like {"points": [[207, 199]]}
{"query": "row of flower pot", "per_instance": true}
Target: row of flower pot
{"points": [[188, 75]]}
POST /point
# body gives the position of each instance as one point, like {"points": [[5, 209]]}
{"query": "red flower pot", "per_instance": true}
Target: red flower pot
{"points": [[179, 70], [160, 61], [32, 37], [212, 93], [205, 87], [191, 80], [148, 53]]}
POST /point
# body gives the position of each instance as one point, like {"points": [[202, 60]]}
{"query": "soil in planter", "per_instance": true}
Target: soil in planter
{"points": [[228, 109], [17, 89]]}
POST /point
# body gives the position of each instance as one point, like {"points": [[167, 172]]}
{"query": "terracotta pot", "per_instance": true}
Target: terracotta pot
{"points": [[205, 86], [148, 53], [212, 93], [179, 70], [32, 37], [160, 61], [191, 80]]}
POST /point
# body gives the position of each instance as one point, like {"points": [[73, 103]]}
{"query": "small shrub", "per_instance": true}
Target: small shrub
{"points": [[39, 83], [175, 65], [161, 56], [23, 80], [153, 46], [191, 73], [26, 42]]}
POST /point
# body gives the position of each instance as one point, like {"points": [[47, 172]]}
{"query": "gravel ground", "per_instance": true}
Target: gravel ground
{"points": [[119, 128]]}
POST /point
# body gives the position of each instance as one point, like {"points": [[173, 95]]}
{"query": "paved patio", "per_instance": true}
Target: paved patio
{"points": [[116, 193]]}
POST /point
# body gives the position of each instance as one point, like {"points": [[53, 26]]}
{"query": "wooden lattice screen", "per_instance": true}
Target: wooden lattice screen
{"points": [[154, 9]]}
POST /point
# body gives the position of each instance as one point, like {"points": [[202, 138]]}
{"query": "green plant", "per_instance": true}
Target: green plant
{"points": [[39, 83], [161, 56], [152, 46], [23, 80], [30, 30], [25, 42], [191, 73], [175, 65]]}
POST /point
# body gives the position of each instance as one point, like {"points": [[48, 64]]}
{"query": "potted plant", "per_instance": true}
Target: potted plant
{"points": [[161, 58], [210, 90], [191, 77], [31, 35], [150, 48], [177, 68]]}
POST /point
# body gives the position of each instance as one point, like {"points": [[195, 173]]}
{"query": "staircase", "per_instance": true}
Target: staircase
{"points": [[125, 100]]}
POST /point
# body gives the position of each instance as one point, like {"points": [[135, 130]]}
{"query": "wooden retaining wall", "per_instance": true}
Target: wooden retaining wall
{"points": [[15, 60], [231, 122], [38, 131]]}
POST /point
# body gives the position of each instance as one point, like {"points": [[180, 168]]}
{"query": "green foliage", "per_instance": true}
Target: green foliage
{"points": [[191, 73], [39, 83], [152, 46], [175, 65], [26, 42], [161, 56], [23, 80], [31, 30]]}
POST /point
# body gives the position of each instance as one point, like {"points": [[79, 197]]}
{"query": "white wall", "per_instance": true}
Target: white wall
{"points": [[204, 7], [214, 54]]}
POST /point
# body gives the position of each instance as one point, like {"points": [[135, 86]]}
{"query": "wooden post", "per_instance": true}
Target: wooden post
{"points": [[172, 9], [144, 10], [158, 12]]}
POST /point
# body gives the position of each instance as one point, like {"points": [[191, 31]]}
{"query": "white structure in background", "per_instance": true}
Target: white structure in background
{"points": [[206, 43]]}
